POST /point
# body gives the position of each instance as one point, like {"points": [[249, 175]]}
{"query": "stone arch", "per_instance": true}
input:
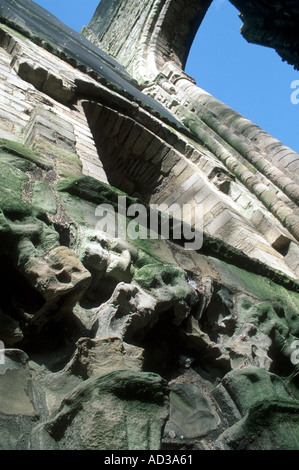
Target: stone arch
{"points": [[149, 34], [144, 36], [152, 41], [126, 149]]}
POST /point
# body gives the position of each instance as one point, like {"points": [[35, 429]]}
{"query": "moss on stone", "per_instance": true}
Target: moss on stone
{"points": [[250, 385], [100, 193], [254, 282], [20, 150], [269, 424], [18, 162], [67, 163], [44, 198], [143, 259], [16, 148], [90, 189], [274, 303], [172, 280], [219, 249], [26, 237], [78, 210], [11, 201], [21, 220]]}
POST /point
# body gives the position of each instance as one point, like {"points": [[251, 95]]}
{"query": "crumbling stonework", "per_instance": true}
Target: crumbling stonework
{"points": [[272, 24], [118, 343]]}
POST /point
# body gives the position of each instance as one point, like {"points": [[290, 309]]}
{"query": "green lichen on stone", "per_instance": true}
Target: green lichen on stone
{"points": [[269, 411], [272, 308], [20, 150], [15, 161], [67, 163], [143, 259], [18, 162], [11, 201], [21, 222], [156, 250], [168, 282], [155, 275], [74, 207], [44, 198], [259, 286], [269, 424], [250, 385], [222, 251], [92, 190], [130, 414], [26, 237]]}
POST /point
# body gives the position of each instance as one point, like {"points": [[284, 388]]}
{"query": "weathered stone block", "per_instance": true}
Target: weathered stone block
{"points": [[130, 414]]}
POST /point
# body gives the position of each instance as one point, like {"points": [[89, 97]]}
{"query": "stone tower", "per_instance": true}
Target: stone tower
{"points": [[131, 340]]}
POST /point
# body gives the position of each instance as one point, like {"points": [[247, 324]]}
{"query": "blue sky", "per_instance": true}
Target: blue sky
{"points": [[251, 79]]}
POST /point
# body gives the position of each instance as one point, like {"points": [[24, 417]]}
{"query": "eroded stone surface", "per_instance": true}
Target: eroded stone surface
{"points": [[122, 410]]}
